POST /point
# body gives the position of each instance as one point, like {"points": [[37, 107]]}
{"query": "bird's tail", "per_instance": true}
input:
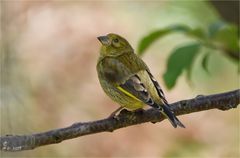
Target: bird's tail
{"points": [[171, 117]]}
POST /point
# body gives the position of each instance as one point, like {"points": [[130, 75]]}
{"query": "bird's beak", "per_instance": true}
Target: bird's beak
{"points": [[104, 40]]}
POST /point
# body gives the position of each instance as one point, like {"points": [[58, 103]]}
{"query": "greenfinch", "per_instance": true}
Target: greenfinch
{"points": [[127, 80]]}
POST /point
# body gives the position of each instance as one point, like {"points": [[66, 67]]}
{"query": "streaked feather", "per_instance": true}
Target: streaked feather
{"points": [[135, 87]]}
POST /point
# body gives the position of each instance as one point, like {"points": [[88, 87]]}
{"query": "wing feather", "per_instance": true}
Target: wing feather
{"points": [[135, 88], [159, 89]]}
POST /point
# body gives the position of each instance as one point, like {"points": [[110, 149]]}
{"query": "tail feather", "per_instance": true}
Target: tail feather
{"points": [[171, 117]]}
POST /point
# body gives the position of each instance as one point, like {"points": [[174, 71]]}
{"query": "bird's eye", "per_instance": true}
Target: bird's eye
{"points": [[115, 40]]}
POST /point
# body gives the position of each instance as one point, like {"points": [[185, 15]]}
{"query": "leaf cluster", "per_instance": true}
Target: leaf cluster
{"points": [[220, 36]]}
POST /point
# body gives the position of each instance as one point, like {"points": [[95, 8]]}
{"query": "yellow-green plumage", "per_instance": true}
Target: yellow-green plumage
{"points": [[127, 80]]}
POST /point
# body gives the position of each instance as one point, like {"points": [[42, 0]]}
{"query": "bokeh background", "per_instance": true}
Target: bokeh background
{"points": [[48, 78]]}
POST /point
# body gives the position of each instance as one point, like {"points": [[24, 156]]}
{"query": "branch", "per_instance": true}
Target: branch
{"points": [[223, 101]]}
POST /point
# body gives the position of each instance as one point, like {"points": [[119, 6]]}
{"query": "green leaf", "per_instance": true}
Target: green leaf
{"points": [[205, 62], [152, 37], [215, 27], [228, 37], [198, 33], [225, 37], [180, 59]]}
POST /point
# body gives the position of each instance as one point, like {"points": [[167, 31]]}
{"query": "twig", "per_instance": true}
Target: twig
{"points": [[223, 101]]}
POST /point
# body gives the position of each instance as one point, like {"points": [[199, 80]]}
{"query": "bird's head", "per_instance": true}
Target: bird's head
{"points": [[114, 45]]}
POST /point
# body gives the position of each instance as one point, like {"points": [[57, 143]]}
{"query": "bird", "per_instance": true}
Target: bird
{"points": [[127, 80]]}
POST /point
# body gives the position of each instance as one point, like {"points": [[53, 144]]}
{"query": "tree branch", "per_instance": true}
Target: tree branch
{"points": [[223, 101]]}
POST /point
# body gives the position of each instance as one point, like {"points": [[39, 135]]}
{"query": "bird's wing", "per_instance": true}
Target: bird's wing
{"points": [[113, 70], [158, 88], [134, 88], [126, 75], [165, 108]]}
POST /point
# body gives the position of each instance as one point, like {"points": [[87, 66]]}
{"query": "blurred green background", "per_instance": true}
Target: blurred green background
{"points": [[48, 61]]}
